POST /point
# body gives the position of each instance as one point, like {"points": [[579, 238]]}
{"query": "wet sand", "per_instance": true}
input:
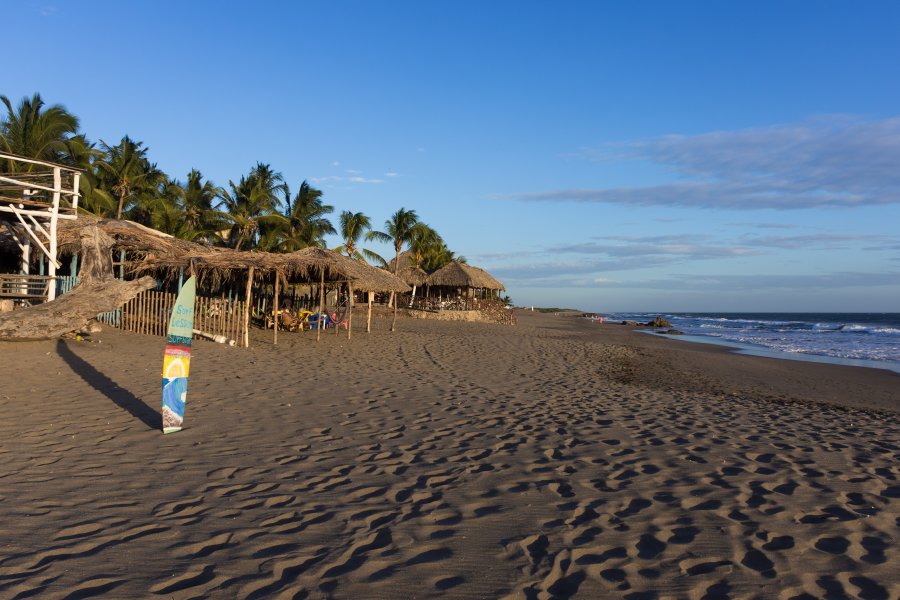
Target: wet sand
{"points": [[554, 459]]}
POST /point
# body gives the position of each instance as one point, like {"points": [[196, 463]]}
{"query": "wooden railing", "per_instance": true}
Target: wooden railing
{"points": [[26, 287]]}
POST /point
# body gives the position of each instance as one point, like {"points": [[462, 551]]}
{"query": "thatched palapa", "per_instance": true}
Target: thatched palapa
{"points": [[339, 268], [138, 240], [457, 274], [153, 252], [409, 272]]}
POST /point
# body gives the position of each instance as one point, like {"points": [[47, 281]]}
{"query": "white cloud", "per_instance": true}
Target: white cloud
{"points": [[341, 179], [682, 247], [391, 174], [835, 161], [752, 283]]}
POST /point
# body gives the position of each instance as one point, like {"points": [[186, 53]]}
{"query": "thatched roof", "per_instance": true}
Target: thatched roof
{"points": [[161, 253], [306, 263], [457, 274], [128, 235], [409, 272]]}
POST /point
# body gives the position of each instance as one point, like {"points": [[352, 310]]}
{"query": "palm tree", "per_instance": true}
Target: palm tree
{"points": [[355, 226], [398, 230], [307, 224], [127, 172], [439, 256], [196, 203], [167, 213], [252, 203], [424, 243], [31, 131]]}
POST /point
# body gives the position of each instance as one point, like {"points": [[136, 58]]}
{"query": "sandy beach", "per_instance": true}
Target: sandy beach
{"points": [[557, 458]]}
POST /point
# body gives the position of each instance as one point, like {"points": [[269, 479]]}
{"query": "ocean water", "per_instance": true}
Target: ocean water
{"points": [[864, 339]]}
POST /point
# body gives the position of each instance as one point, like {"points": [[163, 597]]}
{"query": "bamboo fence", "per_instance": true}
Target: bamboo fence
{"points": [[149, 312]]}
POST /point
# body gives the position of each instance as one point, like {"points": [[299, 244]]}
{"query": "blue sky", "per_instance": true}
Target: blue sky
{"points": [[658, 156]]}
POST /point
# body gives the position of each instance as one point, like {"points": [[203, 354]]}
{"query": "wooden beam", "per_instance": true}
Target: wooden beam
{"points": [[320, 321], [394, 320], [350, 310], [275, 316], [248, 308]]}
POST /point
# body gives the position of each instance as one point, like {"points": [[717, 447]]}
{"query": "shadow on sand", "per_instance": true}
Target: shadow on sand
{"points": [[106, 386]]}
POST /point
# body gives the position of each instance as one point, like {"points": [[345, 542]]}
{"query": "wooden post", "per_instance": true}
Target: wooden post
{"points": [[54, 220], [275, 306], [371, 295], [247, 306], [350, 310], [337, 303], [321, 305], [394, 320], [26, 256]]}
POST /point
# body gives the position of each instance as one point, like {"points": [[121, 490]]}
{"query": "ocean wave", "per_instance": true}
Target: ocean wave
{"points": [[874, 337]]}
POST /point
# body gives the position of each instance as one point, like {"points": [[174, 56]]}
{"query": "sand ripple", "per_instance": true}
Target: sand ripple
{"points": [[449, 460]]}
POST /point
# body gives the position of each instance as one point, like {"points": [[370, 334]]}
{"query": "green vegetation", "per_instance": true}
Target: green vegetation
{"points": [[257, 212]]}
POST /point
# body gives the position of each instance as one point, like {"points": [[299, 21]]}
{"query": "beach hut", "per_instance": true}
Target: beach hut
{"points": [[410, 273], [456, 277], [342, 269], [142, 250], [36, 197]]}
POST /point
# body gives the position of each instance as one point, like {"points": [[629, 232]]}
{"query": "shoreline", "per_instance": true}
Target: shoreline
{"points": [[756, 350], [447, 460], [757, 340], [761, 376]]}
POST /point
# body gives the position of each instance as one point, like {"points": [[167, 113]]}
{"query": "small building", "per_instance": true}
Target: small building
{"points": [[34, 196]]}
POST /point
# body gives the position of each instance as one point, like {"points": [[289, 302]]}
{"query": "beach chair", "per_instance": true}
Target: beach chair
{"points": [[315, 321], [303, 318]]}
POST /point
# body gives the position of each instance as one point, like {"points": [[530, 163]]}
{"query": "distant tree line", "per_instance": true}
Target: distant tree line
{"points": [[258, 212]]}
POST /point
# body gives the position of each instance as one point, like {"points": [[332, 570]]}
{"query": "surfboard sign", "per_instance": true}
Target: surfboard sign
{"points": [[177, 358]]}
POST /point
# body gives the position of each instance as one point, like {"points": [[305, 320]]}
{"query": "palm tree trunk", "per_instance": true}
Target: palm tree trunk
{"points": [[392, 301]]}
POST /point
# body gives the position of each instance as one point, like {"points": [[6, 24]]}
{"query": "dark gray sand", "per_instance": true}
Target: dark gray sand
{"points": [[554, 459]]}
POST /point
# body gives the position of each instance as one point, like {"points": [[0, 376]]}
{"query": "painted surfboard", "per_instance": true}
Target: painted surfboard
{"points": [[177, 358]]}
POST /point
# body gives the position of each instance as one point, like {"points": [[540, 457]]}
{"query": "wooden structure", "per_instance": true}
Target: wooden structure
{"points": [[34, 196], [454, 277], [25, 287], [410, 273], [222, 271], [97, 293], [148, 314]]}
